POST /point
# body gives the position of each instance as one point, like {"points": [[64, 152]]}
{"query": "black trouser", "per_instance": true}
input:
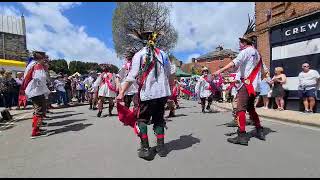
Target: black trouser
{"points": [[203, 101], [8, 99], [80, 95]]}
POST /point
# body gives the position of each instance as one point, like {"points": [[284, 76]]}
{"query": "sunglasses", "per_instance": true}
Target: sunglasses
{"points": [[305, 66]]}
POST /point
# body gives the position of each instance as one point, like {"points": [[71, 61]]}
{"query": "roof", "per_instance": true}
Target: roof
{"points": [[218, 53]]}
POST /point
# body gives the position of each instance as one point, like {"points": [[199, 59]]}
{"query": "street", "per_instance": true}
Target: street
{"points": [[82, 145]]}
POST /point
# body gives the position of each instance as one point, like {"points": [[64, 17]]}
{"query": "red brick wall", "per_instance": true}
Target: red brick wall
{"points": [[213, 65], [281, 12]]}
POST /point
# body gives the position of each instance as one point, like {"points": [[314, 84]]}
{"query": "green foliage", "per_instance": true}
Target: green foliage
{"points": [[59, 65]]}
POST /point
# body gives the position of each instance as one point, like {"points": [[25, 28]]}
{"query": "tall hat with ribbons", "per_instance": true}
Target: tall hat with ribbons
{"points": [[146, 37], [250, 29]]}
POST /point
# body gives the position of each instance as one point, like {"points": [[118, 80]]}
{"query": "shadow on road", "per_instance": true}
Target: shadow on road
{"points": [[266, 131], [253, 132], [65, 122], [61, 112], [64, 116], [73, 127], [184, 142]]}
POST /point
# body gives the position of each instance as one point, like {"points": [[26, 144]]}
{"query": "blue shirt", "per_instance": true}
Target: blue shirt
{"points": [[264, 86]]}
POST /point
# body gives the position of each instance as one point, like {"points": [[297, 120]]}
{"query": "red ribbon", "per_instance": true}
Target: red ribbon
{"points": [[251, 78]]}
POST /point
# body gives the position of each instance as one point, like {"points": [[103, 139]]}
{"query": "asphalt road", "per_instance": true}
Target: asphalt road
{"points": [[82, 145]]}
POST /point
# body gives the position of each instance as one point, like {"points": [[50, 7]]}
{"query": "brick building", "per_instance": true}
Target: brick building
{"points": [[288, 34], [13, 38], [212, 60]]}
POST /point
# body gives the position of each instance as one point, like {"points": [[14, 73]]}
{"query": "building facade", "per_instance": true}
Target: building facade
{"points": [[213, 60], [288, 34], [13, 44]]}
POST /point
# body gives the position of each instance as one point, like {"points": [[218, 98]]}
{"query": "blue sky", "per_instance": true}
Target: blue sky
{"points": [[83, 31]]}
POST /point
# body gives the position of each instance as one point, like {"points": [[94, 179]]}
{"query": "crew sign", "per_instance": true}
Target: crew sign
{"points": [[297, 29]]}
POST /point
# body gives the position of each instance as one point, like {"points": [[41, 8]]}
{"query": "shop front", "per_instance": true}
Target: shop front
{"points": [[292, 44]]}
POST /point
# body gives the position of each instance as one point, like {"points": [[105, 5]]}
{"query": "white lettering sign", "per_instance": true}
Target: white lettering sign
{"points": [[300, 29]]}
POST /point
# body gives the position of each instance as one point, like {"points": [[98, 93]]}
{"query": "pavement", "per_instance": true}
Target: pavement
{"points": [[82, 145], [291, 116]]}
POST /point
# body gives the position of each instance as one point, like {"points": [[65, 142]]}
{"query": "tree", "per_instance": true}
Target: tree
{"points": [[59, 65], [140, 16]]}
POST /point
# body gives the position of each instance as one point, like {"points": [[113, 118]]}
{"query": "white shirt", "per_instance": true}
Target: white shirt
{"points": [[308, 80], [245, 62], [88, 81], [104, 89], [19, 81], [122, 74], [202, 88], [38, 85], [152, 88], [59, 85]]}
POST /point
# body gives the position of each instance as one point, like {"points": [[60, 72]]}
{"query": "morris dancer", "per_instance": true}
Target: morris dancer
{"points": [[107, 89], [35, 88], [123, 73], [152, 68], [88, 82], [173, 99], [204, 89], [249, 64]]}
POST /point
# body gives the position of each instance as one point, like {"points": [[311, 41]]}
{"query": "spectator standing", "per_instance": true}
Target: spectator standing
{"points": [[21, 98], [277, 90], [264, 89], [9, 90], [80, 89], [68, 88], [2, 71], [308, 83], [61, 91]]}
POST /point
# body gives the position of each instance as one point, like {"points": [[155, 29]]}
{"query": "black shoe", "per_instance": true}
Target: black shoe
{"points": [[99, 114], [44, 124], [240, 139], [145, 153], [260, 134], [161, 149], [90, 106], [203, 110], [43, 130], [94, 108], [208, 107], [177, 106], [171, 114], [39, 134], [232, 124]]}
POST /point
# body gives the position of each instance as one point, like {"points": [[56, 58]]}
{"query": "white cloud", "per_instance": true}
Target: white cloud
{"points": [[189, 59], [49, 30], [9, 11], [207, 24]]}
